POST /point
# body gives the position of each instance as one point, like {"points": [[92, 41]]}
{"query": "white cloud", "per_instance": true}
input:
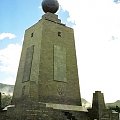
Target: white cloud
{"points": [[7, 35], [9, 60], [9, 80], [98, 55]]}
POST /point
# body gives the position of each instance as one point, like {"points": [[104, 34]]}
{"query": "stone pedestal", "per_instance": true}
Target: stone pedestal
{"points": [[46, 111]]}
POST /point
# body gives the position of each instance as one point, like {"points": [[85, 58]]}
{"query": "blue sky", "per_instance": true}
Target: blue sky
{"points": [[97, 36], [16, 17]]}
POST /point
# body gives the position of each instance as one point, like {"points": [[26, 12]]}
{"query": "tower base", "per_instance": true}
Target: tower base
{"points": [[46, 111]]}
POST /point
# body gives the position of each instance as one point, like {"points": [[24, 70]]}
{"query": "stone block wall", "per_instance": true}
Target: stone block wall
{"points": [[39, 111]]}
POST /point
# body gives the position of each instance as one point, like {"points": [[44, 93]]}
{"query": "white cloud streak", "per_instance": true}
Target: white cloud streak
{"points": [[10, 80], [9, 60], [98, 55], [7, 35]]}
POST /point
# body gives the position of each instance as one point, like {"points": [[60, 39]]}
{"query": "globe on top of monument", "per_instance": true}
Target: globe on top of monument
{"points": [[51, 6]]}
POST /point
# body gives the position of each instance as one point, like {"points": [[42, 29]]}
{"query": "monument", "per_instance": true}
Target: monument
{"points": [[47, 83], [48, 68]]}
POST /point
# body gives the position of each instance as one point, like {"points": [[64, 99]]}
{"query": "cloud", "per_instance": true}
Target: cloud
{"points": [[7, 35], [9, 60], [117, 1], [10, 80], [98, 55]]}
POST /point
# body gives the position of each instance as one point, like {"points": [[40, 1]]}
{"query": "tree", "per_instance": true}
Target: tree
{"points": [[6, 99]]}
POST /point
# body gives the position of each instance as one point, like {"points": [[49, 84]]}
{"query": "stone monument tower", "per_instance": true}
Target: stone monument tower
{"points": [[48, 67], [47, 84]]}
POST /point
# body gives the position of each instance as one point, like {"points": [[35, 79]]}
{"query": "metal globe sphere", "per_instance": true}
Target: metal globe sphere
{"points": [[51, 6]]}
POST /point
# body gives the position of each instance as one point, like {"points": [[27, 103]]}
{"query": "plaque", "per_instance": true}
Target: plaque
{"points": [[28, 63], [59, 63]]}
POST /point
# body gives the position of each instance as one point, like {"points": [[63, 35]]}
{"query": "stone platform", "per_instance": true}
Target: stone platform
{"points": [[46, 111], [66, 107]]}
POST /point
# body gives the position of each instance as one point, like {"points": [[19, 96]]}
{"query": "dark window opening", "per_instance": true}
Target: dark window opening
{"points": [[31, 34], [59, 34]]}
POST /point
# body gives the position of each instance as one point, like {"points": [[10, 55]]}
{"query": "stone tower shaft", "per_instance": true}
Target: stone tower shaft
{"points": [[48, 67]]}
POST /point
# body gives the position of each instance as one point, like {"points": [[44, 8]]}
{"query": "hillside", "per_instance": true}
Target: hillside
{"points": [[117, 103], [85, 103], [6, 89]]}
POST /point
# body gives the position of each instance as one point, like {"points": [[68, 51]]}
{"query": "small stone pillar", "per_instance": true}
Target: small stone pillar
{"points": [[98, 102], [99, 110], [98, 106]]}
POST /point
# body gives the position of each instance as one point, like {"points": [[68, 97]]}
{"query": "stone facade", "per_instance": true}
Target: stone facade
{"points": [[48, 67], [3, 115], [47, 83], [41, 111]]}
